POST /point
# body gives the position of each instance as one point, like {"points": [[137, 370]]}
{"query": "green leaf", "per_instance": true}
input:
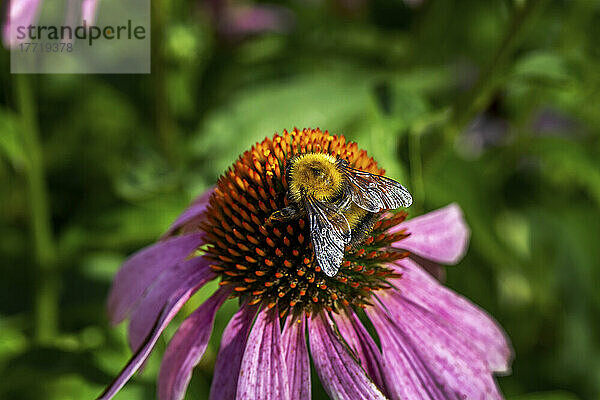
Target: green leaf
{"points": [[330, 100], [12, 341], [10, 141], [146, 174], [541, 66], [567, 163], [393, 112]]}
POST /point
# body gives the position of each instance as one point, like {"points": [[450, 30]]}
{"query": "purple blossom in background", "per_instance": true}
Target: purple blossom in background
{"points": [[88, 11], [435, 344], [232, 18], [484, 132], [26, 12], [548, 121], [18, 13]]}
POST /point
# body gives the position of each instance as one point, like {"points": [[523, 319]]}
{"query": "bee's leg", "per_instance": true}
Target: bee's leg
{"points": [[285, 214]]}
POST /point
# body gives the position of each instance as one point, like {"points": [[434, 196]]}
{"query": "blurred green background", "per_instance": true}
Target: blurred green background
{"points": [[491, 104]]}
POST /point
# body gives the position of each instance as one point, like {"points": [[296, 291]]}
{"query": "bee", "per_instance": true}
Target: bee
{"points": [[340, 202]]}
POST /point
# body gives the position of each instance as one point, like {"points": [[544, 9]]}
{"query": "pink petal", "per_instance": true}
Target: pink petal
{"points": [[452, 360], [187, 347], [166, 315], [19, 13], [474, 324], [192, 214], [188, 277], [359, 340], [229, 358], [139, 272], [342, 377], [296, 357], [407, 375], [263, 374], [440, 235]]}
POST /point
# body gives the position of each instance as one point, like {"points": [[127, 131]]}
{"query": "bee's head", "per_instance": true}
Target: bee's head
{"points": [[315, 174]]}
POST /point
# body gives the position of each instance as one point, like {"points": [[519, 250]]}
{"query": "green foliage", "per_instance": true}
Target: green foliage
{"points": [[493, 105], [10, 143]]}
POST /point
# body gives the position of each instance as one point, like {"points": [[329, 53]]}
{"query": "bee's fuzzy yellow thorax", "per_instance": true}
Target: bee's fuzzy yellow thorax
{"points": [[317, 175]]}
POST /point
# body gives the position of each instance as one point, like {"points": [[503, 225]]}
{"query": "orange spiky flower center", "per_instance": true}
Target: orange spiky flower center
{"points": [[273, 262]]}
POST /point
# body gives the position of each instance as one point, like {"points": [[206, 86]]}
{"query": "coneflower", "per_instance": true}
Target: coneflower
{"points": [[434, 343]]}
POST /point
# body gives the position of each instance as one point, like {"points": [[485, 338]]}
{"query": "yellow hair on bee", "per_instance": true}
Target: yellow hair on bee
{"points": [[317, 175], [355, 215]]}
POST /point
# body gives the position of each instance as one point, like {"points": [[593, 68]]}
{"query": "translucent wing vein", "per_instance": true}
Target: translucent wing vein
{"points": [[329, 232], [375, 193]]}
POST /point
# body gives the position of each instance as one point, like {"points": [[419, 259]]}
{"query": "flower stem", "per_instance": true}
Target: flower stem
{"points": [[46, 293], [165, 129], [478, 96], [416, 171]]}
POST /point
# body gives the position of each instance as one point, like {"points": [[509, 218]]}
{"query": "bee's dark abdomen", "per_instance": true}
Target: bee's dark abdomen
{"points": [[363, 228]]}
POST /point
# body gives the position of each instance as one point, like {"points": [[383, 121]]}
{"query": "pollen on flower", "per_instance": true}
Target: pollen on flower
{"points": [[273, 262]]}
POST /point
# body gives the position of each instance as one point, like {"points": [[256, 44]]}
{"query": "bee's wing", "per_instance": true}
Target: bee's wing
{"points": [[375, 193], [329, 232]]}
